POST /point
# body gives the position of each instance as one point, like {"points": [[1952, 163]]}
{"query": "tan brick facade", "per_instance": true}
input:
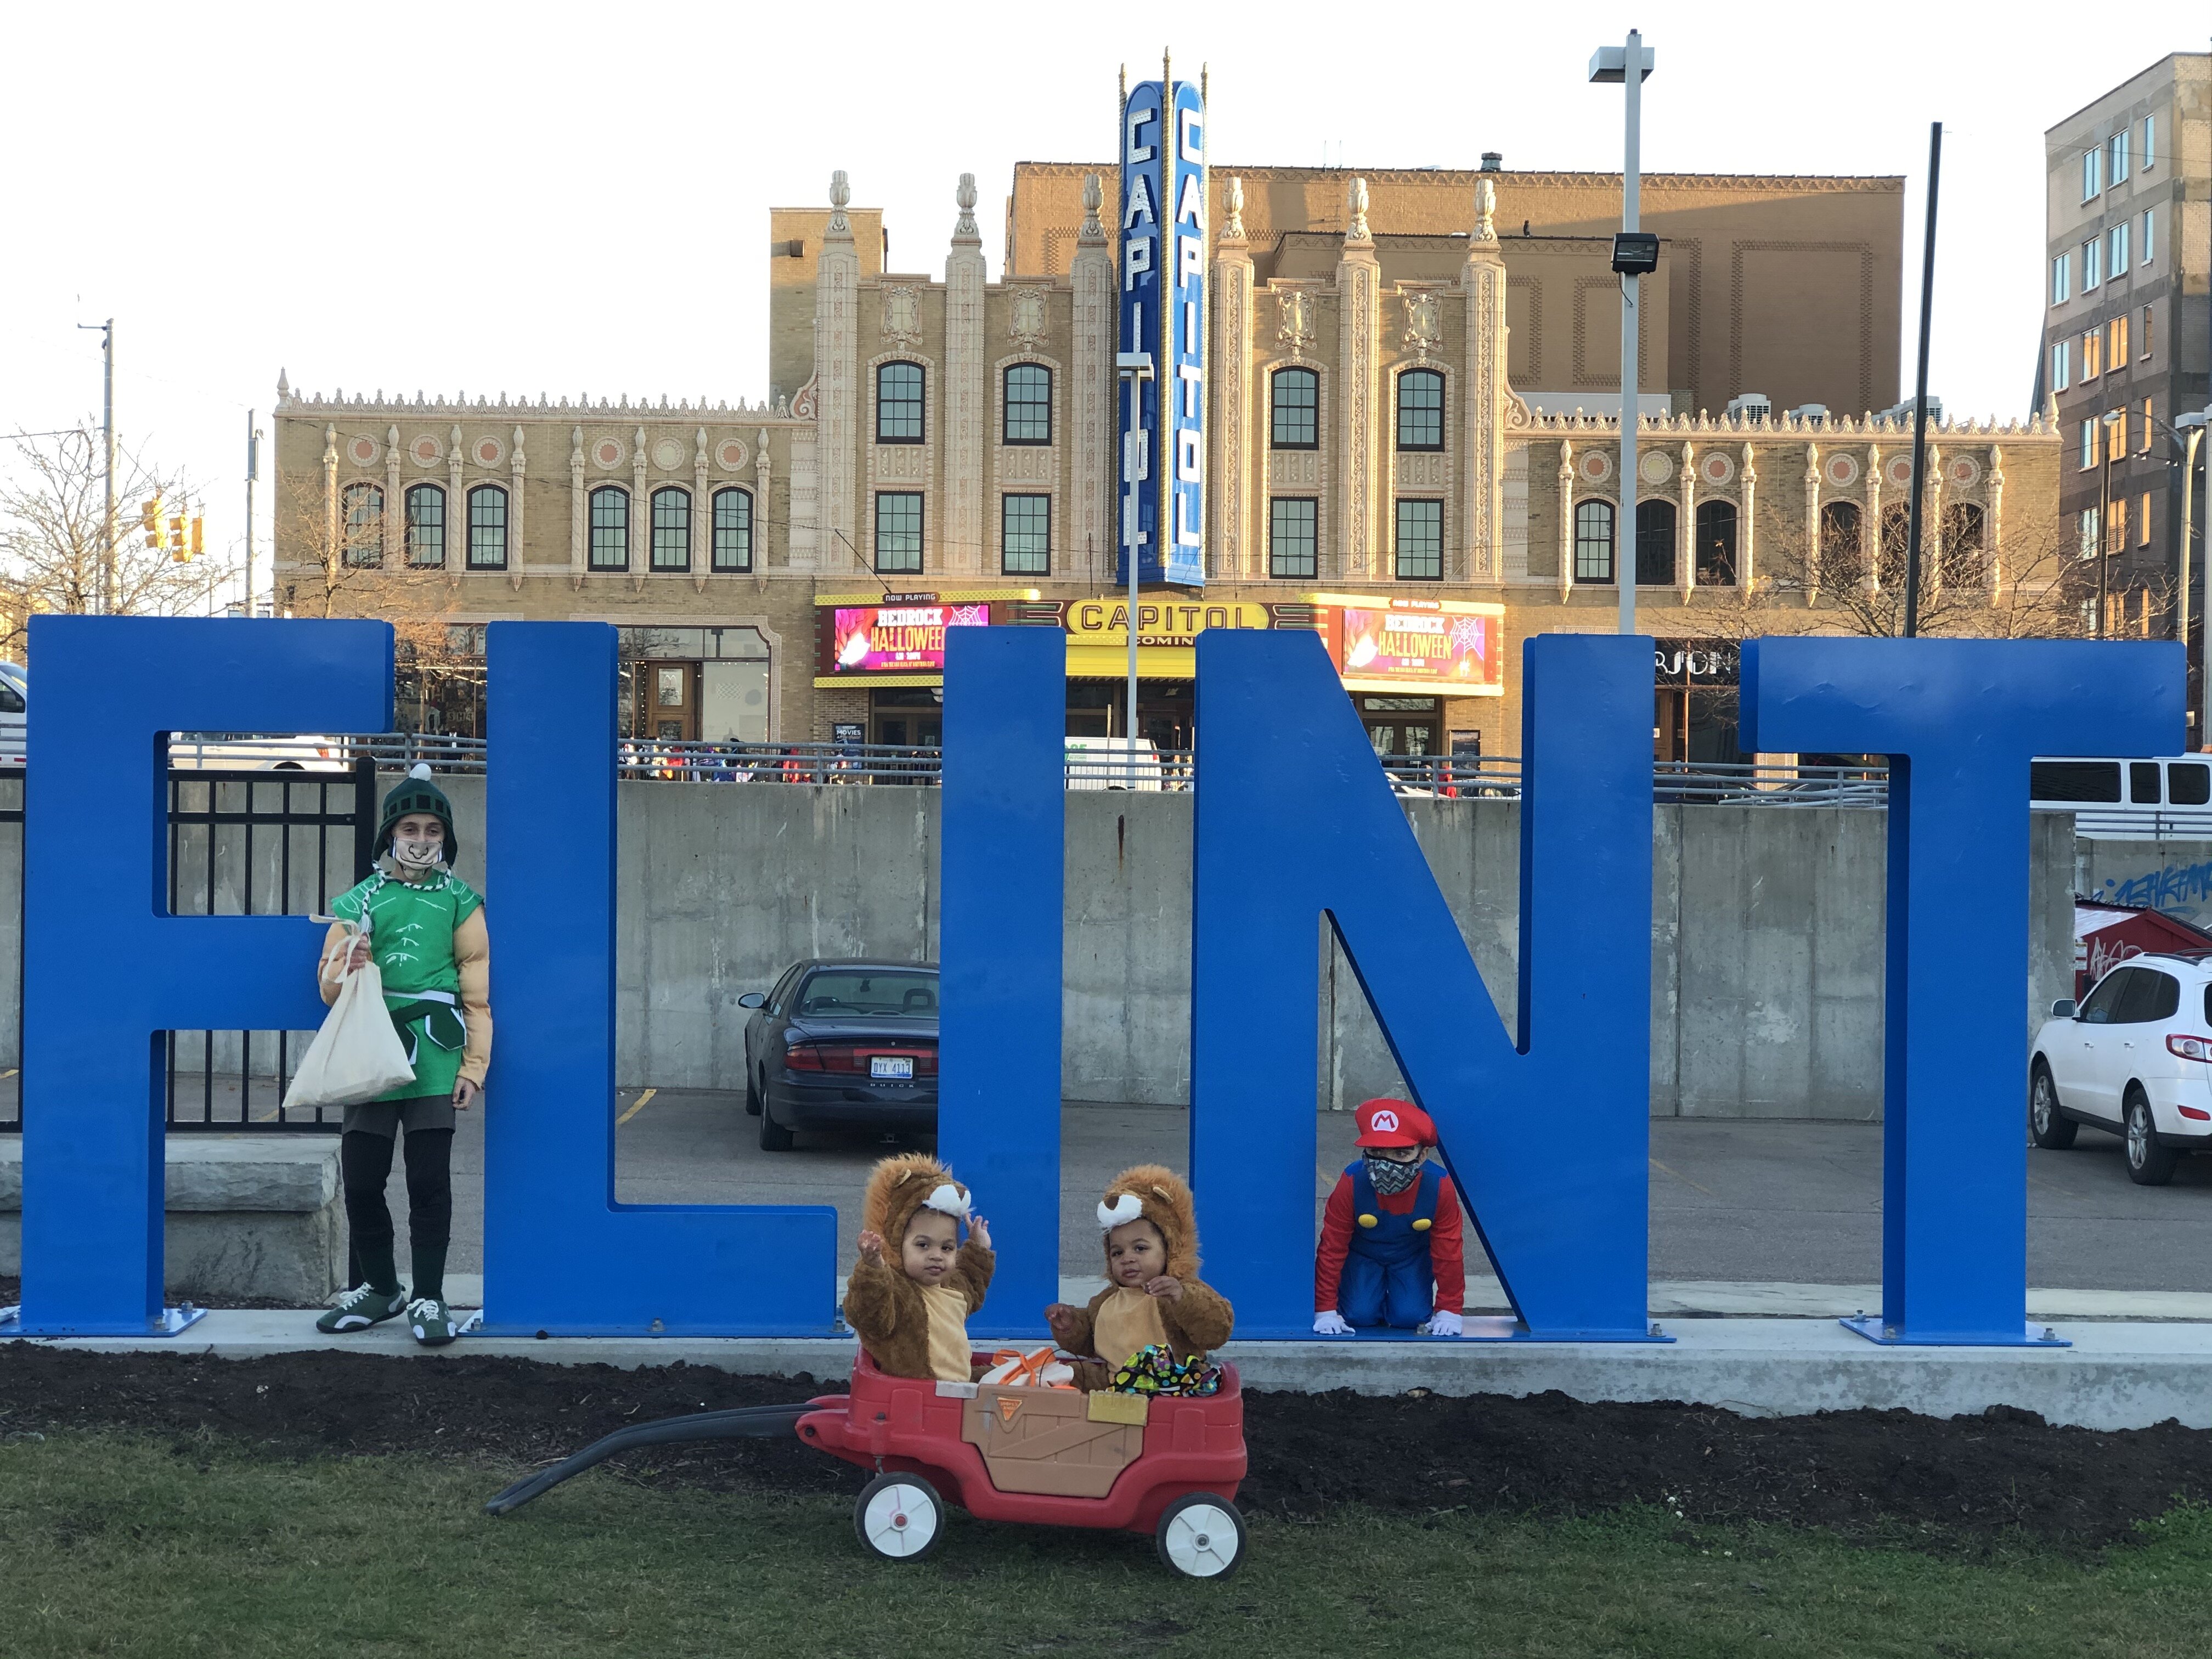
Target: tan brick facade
{"points": [[1438, 283]]}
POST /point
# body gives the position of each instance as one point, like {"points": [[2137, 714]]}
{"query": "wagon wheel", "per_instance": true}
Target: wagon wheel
{"points": [[1201, 1536], [900, 1518]]}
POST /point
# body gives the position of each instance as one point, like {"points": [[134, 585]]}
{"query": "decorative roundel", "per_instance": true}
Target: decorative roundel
{"points": [[608, 452], [1594, 465], [1842, 471], [1898, 470], [426, 450], [1654, 466], [668, 454], [1716, 468], [488, 452], [363, 451], [1962, 470], [732, 453]]}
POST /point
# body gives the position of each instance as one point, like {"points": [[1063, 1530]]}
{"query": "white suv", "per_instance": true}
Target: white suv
{"points": [[2136, 1058]]}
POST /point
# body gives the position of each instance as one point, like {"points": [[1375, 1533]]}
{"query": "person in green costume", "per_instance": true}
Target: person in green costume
{"points": [[423, 927]]}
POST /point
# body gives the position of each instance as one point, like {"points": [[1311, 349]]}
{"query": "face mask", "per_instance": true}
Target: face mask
{"points": [[419, 855], [1389, 1176]]}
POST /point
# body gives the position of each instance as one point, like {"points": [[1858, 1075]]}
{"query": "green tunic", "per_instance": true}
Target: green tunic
{"points": [[411, 940]]}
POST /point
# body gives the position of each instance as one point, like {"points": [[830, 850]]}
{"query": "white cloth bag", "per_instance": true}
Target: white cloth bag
{"points": [[357, 1055]]}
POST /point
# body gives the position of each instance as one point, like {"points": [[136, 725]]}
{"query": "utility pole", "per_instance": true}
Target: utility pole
{"points": [[1635, 255], [1920, 395], [252, 476], [104, 601]]}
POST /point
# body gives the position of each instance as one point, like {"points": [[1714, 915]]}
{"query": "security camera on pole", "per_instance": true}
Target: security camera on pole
{"points": [[1635, 255]]}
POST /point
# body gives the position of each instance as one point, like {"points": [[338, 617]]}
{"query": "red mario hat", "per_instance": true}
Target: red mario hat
{"points": [[1395, 1123]]}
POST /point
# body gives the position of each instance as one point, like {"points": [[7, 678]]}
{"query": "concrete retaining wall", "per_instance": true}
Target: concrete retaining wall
{"points": [[254, 1216], [1766, 934], [2175, 876]]}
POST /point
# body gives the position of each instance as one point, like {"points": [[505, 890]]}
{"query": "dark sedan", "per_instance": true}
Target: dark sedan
{"points": [[843, 1045]]}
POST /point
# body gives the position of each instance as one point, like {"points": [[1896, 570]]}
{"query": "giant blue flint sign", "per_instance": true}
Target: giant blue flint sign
{"points": [[1161, 286], [1543, 1122]]}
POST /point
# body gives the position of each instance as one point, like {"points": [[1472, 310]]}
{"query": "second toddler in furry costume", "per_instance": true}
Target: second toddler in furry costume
{"points": [[1154, 1297], [915, 1283]]}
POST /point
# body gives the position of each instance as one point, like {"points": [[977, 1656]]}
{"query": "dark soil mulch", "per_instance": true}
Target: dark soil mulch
{"points": [[1965, 1480]]}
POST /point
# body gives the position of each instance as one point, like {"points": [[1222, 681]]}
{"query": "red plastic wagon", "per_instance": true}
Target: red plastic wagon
{"points": [[1165, 1465]]}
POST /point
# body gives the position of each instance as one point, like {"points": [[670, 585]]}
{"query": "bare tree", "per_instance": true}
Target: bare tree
{"points": [[1854, 581], [54, 529]]}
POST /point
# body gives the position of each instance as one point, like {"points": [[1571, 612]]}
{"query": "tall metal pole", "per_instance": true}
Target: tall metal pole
{"points": [[1920, 386], [103, 600], [2188, 491], [1623, 530], [2104, 521], [252, 476]]}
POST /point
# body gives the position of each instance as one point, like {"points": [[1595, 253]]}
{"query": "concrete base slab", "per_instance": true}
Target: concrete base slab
{"points": [[2116, 1375]]}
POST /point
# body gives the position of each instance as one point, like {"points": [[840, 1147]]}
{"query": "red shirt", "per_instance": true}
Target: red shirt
{"points": [[1446, 1257]]}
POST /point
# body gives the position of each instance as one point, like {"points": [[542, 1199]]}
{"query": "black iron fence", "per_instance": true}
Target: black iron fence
{"points": [[240, 843]]}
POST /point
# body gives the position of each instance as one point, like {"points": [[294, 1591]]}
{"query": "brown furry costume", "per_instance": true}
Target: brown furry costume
{"points": [[1200, 1319], [882, 1304]]}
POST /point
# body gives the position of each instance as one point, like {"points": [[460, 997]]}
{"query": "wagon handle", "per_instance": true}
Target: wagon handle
{"points": [[742, 1422]]}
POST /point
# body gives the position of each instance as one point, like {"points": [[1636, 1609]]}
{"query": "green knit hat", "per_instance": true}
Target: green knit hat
{"points": [[415, 794]]}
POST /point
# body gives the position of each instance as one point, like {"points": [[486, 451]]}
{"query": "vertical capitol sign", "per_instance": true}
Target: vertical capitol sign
{"points": [[1163, 307]]}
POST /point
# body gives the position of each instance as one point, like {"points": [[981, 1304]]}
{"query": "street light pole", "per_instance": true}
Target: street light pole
{"points": [[2111, 416], [2190, 428], [1134, 367], [104, 601], [252, 476], [1920, 386], [1633, 254]]}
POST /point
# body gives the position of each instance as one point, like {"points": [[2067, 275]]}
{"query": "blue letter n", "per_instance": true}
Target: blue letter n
{"points": [[1548, 1145]]}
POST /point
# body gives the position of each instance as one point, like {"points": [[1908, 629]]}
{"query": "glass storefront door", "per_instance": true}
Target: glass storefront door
{"points": [[1402, 725]]}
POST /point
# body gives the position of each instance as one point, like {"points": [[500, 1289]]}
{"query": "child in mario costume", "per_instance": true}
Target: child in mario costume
{"points": [[1154, 1299], [911, 1309], [1390, 1237]]}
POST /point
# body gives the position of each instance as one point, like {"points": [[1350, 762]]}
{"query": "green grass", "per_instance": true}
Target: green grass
{"points": [[115, 1545]]}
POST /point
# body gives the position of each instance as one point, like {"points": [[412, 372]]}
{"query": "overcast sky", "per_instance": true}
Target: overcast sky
{"points": [[561, 198]]}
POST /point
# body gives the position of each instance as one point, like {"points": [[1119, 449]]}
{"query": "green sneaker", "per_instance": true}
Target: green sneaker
{"points": [[432, 1321], [362, 1307]]}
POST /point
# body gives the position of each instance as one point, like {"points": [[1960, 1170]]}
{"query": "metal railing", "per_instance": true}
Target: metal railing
{"points": [[1149, 771]]}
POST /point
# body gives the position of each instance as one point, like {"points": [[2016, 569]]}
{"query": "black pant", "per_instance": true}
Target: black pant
{"points": [[365, 1161]]}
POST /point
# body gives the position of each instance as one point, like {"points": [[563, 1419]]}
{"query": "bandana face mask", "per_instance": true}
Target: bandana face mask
{"points": [[1390, 1176], [426, 854]]}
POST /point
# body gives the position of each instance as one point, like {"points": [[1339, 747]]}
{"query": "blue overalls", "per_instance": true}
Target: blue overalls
{"points": [[1388, 1278]]}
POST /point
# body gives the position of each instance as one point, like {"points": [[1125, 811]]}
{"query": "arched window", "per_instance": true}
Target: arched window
{"points": [[363, 526], [1028, 403], [609, 528], [1420, 410], [1843, 548], [1594, 542], [1963, 546], [1295, 395], [426, 527], [898, 403], [1654, 544], [733, 531], [1716, 544], [487, 528], [671, 529]]}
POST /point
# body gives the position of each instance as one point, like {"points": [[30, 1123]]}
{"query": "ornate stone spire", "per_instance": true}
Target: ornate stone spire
{"points": [[840, 192], [1093, 195], [1233, 200], [1357, 231], [964, 228], [1486, 211], [283, 387]]}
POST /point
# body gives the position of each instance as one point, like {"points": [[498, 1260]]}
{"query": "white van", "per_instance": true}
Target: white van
{"points": [[2127, 799], [15, 709]]}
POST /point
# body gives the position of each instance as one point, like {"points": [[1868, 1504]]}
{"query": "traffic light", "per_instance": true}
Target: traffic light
{"points": [[198, 529], [177, 549], [149, 521]]}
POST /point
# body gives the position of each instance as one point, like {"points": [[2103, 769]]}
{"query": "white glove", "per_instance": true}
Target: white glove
{"points": [[1442, 1323], [1331, 1323]]}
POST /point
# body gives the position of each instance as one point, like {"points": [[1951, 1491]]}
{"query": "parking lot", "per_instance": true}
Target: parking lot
{"points": [[1732, 1202]]}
